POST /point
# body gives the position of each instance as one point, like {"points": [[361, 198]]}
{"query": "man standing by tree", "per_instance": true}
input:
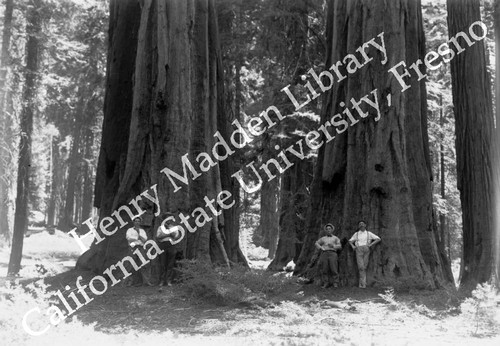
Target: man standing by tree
{"points": [[361, 241], [329, 244], [136, 238]]}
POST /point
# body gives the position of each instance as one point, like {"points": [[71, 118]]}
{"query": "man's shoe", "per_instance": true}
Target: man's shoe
{"points": [[335, 285], [323, 286]]}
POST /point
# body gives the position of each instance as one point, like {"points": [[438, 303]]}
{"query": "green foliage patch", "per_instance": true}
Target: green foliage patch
{"points": [[482, 309]]}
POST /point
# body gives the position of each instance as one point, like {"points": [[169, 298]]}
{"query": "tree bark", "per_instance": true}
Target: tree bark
{"points": [[123, 32], [269, 214], [294, 182], [496, 146], [33, 29], [56, 183], [442, 217], [378, 172], [88, 174], [67, 221], [472, 95], [5, 123], [231, 222], [292, 213], [174, 112]]}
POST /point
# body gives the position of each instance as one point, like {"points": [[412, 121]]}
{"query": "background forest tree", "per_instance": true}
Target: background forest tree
{"points": [[67, 91]]}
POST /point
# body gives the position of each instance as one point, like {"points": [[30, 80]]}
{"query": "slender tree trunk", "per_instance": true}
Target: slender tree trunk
{"points": [[293, 182], [33, 29], [378, 171], [442, 217], [77, 210], [6, 145], [56, 183], [269, 214], [472, 95], [88, 174], [67, 220], [228, 111], [231, 222]]}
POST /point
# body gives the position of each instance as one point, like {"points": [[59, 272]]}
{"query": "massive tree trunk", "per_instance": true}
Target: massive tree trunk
{"points": [[496, 149], [123, 31], [33, 28], [174, 112], [473, 127], [292, 214], [378, 171], [5, 124]]}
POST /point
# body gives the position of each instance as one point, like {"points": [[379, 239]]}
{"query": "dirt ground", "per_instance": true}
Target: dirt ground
{"points": [[303, 314]]}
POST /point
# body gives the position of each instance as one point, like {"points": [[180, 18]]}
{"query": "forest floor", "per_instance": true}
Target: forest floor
{"points": [[301, 314]]}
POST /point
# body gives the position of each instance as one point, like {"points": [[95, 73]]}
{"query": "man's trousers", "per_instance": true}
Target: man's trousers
{"points": [[329, 267]]}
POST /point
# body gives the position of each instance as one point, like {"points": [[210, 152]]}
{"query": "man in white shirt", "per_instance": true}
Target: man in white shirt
{"points": [[136, 238], [361, 241], [329, 245]]}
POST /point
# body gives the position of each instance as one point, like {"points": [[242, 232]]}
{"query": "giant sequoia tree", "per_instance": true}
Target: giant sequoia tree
{"points": [[378, 171], [162, 101], [474, 129], [496, 149]]}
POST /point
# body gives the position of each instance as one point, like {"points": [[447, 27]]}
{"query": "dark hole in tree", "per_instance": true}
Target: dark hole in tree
{"points": [[396, 271]]}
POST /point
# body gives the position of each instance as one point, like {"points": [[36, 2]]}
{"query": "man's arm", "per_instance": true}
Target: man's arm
{"points": [[351, 242], [376, 239], [336, 244], [318, 244], [142, 235]]}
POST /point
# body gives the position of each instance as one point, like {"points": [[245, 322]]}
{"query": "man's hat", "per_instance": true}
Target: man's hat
{"points": [[329, 224]]}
